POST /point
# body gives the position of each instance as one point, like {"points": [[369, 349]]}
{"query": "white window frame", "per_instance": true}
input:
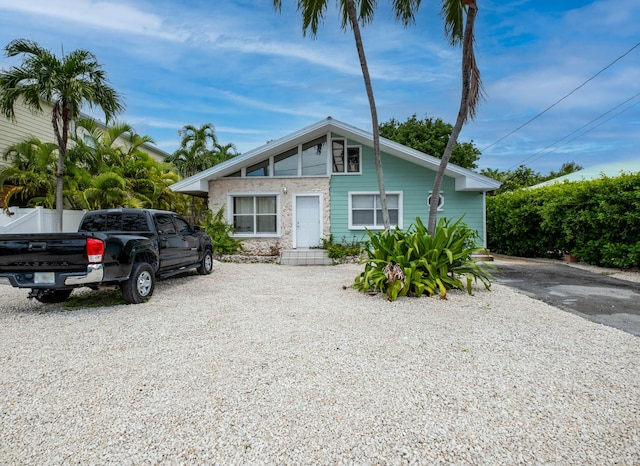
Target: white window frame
{"points": [[346, 158], [440, 201], [231, 196], [374, 193]]}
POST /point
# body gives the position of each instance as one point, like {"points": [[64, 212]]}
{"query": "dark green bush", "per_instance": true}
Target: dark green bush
{"points": [[342, 249], [412, 263], [597, 221], [220, 232]]}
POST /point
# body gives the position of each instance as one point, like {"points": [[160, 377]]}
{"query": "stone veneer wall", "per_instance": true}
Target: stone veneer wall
{"points": [[220, 189]]}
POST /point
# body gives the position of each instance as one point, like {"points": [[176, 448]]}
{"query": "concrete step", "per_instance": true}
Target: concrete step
{"points": [[305, 257]]}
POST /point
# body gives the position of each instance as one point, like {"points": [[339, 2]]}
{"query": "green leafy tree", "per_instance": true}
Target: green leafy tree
{"points": [[430, 136], [524, 177], [67, 83], [353, 13]]}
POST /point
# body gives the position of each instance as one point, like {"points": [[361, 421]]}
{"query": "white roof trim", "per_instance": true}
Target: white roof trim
{"points": [[465, 180]]}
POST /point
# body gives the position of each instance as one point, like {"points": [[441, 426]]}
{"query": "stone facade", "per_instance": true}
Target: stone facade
{"points": [[219, 190]]}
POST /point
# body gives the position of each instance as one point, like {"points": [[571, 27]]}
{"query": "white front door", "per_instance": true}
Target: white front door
{"points": [[307, 221]]}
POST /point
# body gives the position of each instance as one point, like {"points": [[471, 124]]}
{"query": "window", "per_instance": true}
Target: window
{"points": [[259, 169], [165, 226], [286, 164], [365, 210], [182, 226], [255, 215], [314, 157], [440, 201], [344, 159]]}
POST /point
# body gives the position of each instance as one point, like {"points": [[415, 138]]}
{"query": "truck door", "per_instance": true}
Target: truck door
{"points": [[186, 232], [173, 247]]}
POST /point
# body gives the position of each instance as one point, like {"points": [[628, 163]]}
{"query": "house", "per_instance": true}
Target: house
{"points": [[29, 124], [321, 180], [609, 169]]}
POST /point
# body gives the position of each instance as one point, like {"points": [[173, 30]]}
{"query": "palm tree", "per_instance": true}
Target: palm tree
{"points": [[313, 12], [66, 83], [30, 175], [196, 152], [453, 13]]}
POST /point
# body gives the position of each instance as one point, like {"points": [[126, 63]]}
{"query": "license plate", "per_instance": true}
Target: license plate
{"points": [[44, 277]]}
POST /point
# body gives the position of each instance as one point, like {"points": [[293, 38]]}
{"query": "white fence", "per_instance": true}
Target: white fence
{"points": [[38, 220]]}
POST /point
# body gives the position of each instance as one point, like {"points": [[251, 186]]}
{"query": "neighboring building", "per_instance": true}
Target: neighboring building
{"points": [[321, 181], [28, 124], [611, 170]]}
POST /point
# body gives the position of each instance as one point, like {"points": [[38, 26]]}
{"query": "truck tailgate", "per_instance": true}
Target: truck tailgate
{"points": [[43, 252]]}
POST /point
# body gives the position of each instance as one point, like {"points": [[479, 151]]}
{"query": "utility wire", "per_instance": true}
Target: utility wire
{"points": [[578, 129], [591, 129], [562, 98]]}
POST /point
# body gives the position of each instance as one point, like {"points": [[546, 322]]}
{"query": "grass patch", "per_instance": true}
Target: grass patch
{"points": [[92, 299]]}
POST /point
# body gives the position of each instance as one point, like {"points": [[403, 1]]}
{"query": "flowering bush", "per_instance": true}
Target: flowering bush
{"points": [[412, 263]]}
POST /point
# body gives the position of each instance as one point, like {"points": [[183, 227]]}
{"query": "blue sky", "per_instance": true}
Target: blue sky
{"points": [[250, 71]]}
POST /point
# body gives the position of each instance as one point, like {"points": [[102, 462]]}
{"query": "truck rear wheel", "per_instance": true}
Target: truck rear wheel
{"points": [[140, 285], [206, 264], [53, 296]]}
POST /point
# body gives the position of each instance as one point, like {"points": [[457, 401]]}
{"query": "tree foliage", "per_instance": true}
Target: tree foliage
{"points": [[67, 83], [199, 150], [524, 177], [430, 136], [597, 221]]}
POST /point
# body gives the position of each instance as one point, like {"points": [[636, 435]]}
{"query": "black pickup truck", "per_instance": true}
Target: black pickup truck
{"points": [[125, 248]]}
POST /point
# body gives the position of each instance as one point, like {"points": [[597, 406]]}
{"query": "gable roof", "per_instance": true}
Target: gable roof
{"points": [[465, 180], [611, 170]]}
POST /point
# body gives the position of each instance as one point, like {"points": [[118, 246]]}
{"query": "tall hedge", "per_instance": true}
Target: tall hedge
{"points": [[597, 221]]}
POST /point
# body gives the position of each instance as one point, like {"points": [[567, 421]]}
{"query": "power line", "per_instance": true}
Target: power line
{"points": [[580, 128], [591, 129], [562, 98]]}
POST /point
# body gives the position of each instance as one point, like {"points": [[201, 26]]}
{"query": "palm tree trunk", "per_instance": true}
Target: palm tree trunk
{"points": [[468, 100], [353, 19]]}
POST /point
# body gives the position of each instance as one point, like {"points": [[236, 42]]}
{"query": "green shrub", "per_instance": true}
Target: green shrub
{"points": [[598, 221], [220, 232], [412, 263], [343, 249]]}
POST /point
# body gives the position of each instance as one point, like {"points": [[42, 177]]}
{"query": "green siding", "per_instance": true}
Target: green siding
{"points": [[414, 182]]}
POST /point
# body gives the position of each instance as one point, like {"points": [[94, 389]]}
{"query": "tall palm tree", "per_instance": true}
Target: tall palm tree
{"points": [[313, 12], [196, 152], [453, 12], [66, 83]]}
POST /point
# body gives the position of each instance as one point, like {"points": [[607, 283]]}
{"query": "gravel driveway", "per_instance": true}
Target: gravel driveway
{"points": [[262, 363]]}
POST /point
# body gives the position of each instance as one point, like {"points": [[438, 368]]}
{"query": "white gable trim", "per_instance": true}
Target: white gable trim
{"points": [[465, 180]]}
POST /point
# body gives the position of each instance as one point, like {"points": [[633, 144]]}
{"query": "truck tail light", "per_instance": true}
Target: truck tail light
{"points": [[95, 250]]}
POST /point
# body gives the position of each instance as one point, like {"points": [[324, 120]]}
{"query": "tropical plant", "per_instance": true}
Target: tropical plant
{"points": [[220, 233], [199, 150], [30, 175], [313, 12], [453, 12], [414, 262], [66, 83]]}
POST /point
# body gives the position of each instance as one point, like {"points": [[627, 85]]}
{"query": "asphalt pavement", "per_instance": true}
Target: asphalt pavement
{"points": [[589, 292]]}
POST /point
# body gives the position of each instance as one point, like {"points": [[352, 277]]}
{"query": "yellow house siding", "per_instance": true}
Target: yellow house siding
{"points": [[26, 125]]}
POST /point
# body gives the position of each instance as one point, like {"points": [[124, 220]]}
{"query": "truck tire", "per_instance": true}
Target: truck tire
{"points": [[206, 264], [53, 296], [140, 285]]}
